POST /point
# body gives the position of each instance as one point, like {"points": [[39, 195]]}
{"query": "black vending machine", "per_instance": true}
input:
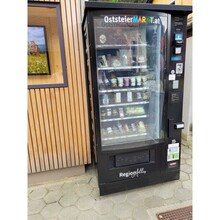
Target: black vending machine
{"points": [[135, 59]]}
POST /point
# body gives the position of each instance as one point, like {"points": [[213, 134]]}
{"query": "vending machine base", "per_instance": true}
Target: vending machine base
{"points": [[133, 168]]}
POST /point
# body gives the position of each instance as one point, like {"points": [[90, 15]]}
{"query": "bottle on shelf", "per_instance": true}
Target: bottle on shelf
{"points": [[144, 80], [120, 127], [141, 127], [133, 81], [138, 97], [126, 82], [138, 79], [124, 60], [100, 81], [126, 128], [109, 112], [113, 81], [109, 59], [115, 113], [109, 130], [129, 96], [145, 96], [103, 113], [120, 82], [105, 99], [133, 127], [106, 81], [121, 112]]}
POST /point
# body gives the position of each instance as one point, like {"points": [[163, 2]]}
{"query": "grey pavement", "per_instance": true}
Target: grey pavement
{"points": [[78, 197]]}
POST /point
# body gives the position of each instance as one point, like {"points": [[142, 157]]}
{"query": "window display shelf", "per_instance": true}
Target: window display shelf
{"points": [[124, 104], [123, 67], [124, 89], [124, 118]]}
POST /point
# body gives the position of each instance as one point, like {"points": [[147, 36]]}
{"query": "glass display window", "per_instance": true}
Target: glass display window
{"points": [[46, 66], [130, 59]]}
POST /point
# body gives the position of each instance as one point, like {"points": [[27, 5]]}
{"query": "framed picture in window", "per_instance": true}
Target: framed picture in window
{"points": [[38, 60]]}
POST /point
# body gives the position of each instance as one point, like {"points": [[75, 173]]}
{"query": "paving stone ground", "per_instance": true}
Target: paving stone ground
{"points": [[77, 198]]}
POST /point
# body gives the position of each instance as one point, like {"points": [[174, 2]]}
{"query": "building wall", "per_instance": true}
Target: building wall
{"points": [[187, 99], [58, 126], [177, 2]]}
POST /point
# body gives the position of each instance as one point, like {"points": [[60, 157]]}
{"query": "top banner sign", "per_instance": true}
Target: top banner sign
{"points": [[132, 19]]}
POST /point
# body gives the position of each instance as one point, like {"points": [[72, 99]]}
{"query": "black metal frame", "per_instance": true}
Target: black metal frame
{"points": [[61, 41], [161, 170]]}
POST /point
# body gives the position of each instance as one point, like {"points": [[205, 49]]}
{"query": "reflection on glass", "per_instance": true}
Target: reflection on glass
{"points": [[130, 64]]}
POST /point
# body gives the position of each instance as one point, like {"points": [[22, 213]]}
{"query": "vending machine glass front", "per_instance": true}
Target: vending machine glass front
{"points": [[130, 59]]}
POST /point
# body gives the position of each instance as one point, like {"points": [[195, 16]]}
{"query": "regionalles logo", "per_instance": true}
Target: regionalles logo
{"points": [[132, 174], [133, 19]]}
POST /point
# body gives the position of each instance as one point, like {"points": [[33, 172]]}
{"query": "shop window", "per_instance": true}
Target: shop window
{"points": [[46, 66]]}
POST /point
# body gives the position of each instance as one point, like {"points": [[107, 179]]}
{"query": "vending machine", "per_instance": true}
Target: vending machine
{"points": [[135, 61]]}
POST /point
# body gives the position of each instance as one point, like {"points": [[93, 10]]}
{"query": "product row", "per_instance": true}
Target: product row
{"points": [[124, 97], [125, 35], [114, 81], [125, 59], [122, 112], [118, 129]]}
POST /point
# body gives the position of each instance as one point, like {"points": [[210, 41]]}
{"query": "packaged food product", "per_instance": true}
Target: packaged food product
{"points": [[120, 82], [126, 128], [126, 81], [141, 127], [117, 97], [129, 96], [138, 96], [120, 128], [109, 130], [133, 127], [121, 112], [103, 113], [109, 112], [145, 96], [138, 79], [114, 83], [135, 111], [144, 80], [114, 112], [133, 81]]}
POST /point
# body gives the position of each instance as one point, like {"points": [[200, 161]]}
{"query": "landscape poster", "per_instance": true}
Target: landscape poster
{"points": [[38, 62]]}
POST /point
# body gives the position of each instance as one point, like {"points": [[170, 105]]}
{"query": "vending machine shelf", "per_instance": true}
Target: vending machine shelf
{"points": [[124, 118], [124, 104], [124, 136], [121, 46], [122, 67], [123, 89], [112, 141]]}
